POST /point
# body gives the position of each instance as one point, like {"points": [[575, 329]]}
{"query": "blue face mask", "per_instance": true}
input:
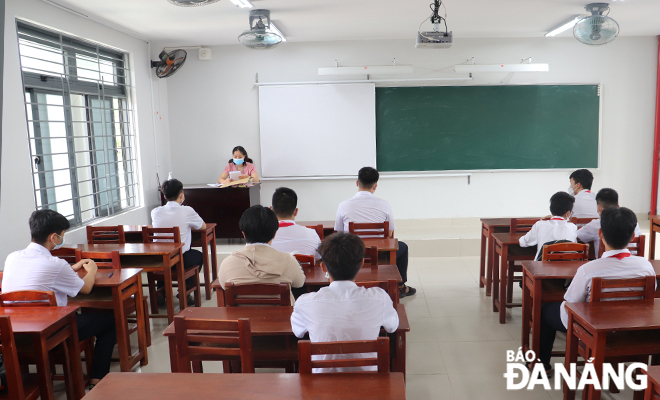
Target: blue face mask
{"points": [[238, 161], [57, 246]]}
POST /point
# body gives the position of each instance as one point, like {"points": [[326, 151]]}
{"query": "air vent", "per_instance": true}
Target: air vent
{"points": [[192, 3]]}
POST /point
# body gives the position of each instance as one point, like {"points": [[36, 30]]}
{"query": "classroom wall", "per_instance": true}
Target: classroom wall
{"points": [[213, 106], [17, 196]]}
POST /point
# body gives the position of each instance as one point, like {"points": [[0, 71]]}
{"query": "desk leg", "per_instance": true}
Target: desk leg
{"points": [[180, 276], [174, 355], [652, 242], [571, 355], [75, 361], [122, 331], [482, 260], [205, 256], [599, 357], [141, 322], [490, 263], [393, 257], [495, 271], [214, 256], [536, 297], [220, 296], [504, 272], [169, 291], [400, 361], [526, 311], [43, 368]]}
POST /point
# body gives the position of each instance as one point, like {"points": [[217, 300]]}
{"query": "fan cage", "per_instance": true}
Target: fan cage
{"points": [[192, 3], [605, 27], [250, 39]]}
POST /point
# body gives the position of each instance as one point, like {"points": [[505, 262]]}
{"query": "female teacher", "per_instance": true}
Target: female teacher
{"points": [[240, 162]]}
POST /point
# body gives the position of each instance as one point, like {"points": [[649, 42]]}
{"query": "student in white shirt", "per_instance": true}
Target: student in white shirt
{"points": [[364, 207], [617, 229], [343, 311], [556, 228], [172, 214], [605, 198], [291, 237], [585, 201], [34, 268]]}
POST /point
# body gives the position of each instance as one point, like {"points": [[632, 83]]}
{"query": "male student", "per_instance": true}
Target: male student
{"points": [[556, 228], [617, 229], [364, 207], [172, 214], [258, 262], [291, 237], [343, 311], [34, 268], [585, 201], [605, 198]]}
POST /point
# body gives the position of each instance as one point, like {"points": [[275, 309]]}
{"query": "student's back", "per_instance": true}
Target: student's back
{"points": [[585, 201], [556, 228], [364, 207], [291, 237]]}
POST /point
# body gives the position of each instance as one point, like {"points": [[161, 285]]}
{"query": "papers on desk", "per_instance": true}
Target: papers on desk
{"points": [[213, 184], [234, 183]]}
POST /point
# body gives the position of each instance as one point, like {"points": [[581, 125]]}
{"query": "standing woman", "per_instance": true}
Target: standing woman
{"points": [[240, 162]]}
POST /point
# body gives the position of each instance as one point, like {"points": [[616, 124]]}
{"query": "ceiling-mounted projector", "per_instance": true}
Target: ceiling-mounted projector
{"points": [[435, 39]]}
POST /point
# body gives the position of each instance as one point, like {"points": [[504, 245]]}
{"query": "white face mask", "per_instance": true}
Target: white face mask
{"points": [[571, 191], [57, 246]]}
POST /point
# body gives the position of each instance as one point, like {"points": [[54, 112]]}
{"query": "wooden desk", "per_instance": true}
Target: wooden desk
{"points": [[46, 328], [316, 277], [347, 386], [200, 238], [543, 282], [655, 228], [276, 321], [385, 245], [653, 383], [489, 226], [633, 320], [113, 292], [151, 257], [507, 248], [328, 226], [223, 207]]}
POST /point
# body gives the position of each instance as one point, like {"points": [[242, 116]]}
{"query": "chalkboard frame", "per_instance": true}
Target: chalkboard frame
{"points": [[466, 172]]}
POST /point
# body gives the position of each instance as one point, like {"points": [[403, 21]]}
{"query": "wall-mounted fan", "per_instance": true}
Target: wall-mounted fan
{"points": [[259, 36], [597, 28], [169, 63], [192, 3]]}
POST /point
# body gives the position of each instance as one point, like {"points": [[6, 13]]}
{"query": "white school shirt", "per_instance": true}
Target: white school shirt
{"points": [[607, 267], [296, 239], [585, 205], [174, 214], [363, 208], [343, 311], [34, 268], [546, 231], [589, 233]]}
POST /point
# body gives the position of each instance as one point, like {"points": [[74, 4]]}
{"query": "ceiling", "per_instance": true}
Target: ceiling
{"points": [[329, 20]]}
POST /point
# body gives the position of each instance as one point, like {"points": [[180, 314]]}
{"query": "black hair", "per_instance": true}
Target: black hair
{"points": [[243, 151], [607, 198], [583, 177], [343, 254], [618, 226], [259, 224], [285, 202], [368, 177], [561, 203], [171, 189], [44, 223]]}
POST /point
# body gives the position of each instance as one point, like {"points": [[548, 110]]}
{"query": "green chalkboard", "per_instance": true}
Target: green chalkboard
{"points": [[487, 127]]}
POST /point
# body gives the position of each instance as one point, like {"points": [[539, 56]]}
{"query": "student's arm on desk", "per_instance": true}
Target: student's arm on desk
{"points": [[531, 238], [298, 321], [577, 291], [91, 268], [588, 233], [390, 316], [196, 222], [295, 272]]}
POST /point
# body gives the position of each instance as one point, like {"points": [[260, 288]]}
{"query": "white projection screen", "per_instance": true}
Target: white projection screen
{"points": [[317, 130]]}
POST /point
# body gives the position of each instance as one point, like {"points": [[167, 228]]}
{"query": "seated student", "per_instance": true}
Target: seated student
{"points": [[585, 201], [34, 268], [343, 311], [617, 229], [364, 207], [172, 214], [258, 262], [291, 237], [556, 228], [605, 198]]}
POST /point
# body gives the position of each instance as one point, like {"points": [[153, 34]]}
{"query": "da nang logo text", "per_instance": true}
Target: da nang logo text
{"points": [[518, 376]]}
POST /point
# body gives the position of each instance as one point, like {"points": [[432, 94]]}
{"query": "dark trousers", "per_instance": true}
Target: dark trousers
{"points": [[402, 261], [550, 325], [101, 325], [191, 258]]}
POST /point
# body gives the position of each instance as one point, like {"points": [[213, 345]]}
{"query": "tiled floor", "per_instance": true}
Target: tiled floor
{"points": [[456, 347]]}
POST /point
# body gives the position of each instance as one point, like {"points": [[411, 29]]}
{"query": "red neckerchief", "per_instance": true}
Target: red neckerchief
{"points": [[557, 219], [620, 256], [285, 224], [588, 191]]}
